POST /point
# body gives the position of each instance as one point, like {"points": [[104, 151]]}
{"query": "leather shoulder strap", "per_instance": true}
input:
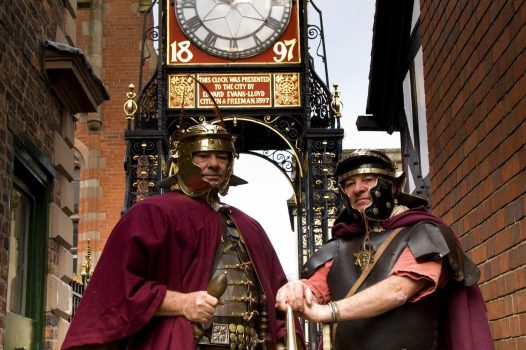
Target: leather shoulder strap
{"points": [[358, 283], [376, 257]]}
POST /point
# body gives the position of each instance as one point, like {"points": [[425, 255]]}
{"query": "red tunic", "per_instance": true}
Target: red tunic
{"points": [[465, 325], [164, 242]]}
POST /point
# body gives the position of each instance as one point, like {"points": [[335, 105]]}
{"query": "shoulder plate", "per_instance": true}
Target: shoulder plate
{"points": [[431, 241], [325, 253]]}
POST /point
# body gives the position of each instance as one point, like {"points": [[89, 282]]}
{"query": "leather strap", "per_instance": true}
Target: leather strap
{"points": [[359, 282], [376, 257]]}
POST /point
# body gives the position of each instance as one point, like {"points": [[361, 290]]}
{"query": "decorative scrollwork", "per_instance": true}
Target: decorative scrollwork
{"points": [[150, 34], [148, 113], [318, 240], [283, 159], [323, 154], [153, 33], [144, 169], [319, 99], [142, 147], [313, 31], [286, 125], [325, 145]]}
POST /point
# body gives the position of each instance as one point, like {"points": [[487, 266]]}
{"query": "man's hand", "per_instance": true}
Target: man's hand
{"points": [[316, 313], [295, 294], [199, 306], [196, 306]]}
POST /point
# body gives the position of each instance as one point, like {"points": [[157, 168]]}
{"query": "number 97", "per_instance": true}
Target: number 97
{"points": [[284, 49]]}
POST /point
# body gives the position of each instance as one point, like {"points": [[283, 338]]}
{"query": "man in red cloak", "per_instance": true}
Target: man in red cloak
{"points": [[149, 288], [393, 276]]}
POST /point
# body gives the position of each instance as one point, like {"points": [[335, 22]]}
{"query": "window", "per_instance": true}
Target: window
{"points": [[26, 275], [414, 140], [17, 274]]}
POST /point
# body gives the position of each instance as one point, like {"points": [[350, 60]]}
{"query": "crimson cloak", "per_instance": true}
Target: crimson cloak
{"points": [[164, 242]]}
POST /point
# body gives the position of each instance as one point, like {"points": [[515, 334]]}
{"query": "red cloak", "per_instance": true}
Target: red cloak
{"points": [[466, 324], [164, 242]]}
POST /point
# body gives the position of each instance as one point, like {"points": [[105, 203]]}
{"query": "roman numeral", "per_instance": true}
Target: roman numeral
{"points": [[188, 3], [256, 39], [194, 23], [273, 23], [210, 39]]}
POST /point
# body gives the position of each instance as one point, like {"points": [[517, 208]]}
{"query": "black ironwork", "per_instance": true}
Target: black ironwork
{"points": [[77, 290], [148, 114], [150, 36], [320, 200], [145, 164], [319, 103], [283, 160], [315, 33]]}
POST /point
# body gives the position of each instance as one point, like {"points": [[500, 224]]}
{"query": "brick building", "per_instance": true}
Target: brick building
{"points": [[44, 82], [449, 75], [110, 34]]}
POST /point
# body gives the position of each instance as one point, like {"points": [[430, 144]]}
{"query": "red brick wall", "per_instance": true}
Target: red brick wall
{"points": [[475, 99], [104, 151], [28, 104]]}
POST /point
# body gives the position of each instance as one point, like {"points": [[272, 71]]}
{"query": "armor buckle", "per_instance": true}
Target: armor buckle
{"points": [[220, 334]]}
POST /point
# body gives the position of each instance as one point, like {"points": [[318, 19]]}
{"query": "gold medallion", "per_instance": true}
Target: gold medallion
{"points": [[363, 258]]}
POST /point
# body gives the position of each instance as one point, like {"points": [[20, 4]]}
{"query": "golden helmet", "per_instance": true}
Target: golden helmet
{"points": [[198, 138]]}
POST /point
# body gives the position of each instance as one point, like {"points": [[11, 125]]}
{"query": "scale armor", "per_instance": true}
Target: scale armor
{"points": [[237, 323]]}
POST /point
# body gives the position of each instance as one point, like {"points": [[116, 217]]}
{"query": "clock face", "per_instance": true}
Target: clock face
{"points": [[233, 29]]}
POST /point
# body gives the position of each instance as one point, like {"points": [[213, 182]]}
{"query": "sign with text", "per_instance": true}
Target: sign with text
{"points": [[234, 90], [258, 90]]}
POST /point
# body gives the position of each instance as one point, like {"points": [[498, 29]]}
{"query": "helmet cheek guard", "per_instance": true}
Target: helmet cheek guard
{"points": [[382, 200]]}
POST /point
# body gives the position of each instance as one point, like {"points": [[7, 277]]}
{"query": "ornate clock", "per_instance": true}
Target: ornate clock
{"points": [[233, 29]]}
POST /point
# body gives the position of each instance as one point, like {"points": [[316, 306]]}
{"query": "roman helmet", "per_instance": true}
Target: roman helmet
{"points": [[388, 190], [185, 174]]}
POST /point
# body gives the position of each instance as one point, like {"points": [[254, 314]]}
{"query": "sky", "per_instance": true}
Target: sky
{"points": [[348, 37]]}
